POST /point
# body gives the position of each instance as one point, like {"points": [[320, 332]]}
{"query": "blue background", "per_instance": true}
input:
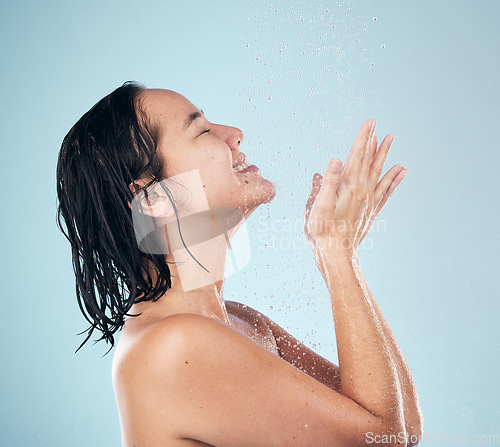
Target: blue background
{"points": [[298, 79]]}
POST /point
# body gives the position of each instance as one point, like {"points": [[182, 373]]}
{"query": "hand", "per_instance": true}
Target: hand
{"points": [[344, 203]]}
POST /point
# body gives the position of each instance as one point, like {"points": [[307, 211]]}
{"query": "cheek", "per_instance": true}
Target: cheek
{"points": [[215, 168], [219, 182]]}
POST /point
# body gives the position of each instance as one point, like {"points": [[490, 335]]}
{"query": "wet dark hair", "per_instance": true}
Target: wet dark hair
{"points": [[110, 147]]}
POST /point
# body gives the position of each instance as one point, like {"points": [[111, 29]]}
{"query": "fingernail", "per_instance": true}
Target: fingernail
{"points": [[402, 172], [390, 140], [335, 165], [372, 125]]}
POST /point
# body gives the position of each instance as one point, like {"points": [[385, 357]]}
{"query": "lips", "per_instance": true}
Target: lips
{"points": [[242, 158], [243, 166]]}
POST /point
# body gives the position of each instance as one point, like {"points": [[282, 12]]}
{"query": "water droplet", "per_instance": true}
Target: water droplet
{"points": [[375, 19], [382, 46]]}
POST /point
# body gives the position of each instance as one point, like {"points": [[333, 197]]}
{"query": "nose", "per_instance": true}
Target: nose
{"points": [[231, 135]]}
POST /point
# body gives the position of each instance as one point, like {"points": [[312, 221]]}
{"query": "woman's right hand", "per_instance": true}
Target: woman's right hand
{"points": [[345, 202]]}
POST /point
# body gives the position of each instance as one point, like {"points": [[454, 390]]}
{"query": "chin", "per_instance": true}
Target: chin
{"points": [[265, 193], [270, 193]]}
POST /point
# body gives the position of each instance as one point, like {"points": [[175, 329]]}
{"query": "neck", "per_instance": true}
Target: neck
{"points": [[194, 290], [197, 275]]}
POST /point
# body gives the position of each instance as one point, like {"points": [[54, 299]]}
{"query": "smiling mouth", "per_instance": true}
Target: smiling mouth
{"points": [[242, 166]]}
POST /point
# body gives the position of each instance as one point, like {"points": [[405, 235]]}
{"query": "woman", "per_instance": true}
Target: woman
{"points": [[191, 368]]}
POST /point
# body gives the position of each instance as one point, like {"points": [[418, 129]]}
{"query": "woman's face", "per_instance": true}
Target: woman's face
{"points": [[188, 141]]}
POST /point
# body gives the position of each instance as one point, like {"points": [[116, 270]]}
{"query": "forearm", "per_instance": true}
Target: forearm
{"points": [[412, 411], [368, 374]]}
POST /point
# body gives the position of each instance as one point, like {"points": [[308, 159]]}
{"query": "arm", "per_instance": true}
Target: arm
{"points": [[383, 191], [412, 412], [348, 202], [368, 374], [289, 348], [302, 357]]}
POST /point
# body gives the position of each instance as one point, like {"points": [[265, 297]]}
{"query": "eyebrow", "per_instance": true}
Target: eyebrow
{"points": [[192, 117]]}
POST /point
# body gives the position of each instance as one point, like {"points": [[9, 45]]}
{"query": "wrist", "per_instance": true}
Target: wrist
{"points": [[336, 249]]}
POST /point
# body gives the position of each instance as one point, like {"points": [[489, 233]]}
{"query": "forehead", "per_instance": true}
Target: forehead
{"points": [[167, 106]]}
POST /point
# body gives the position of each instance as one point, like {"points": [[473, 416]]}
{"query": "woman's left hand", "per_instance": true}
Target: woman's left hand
{"points": [[379, 191]]}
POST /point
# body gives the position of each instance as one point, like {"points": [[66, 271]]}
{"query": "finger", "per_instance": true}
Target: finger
{"points": [[359, 158], [374, 148], [354, 155], [327, 194], [316, 185], [377, 165], [381, 202], [388, 184]]}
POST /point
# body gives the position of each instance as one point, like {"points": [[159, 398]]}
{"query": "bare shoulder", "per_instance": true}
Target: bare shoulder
{"points": [[159, 350], [156, 370], [158, 344]]}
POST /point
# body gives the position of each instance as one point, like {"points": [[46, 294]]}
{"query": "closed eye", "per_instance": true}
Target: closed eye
{"points": [[205, 131]]}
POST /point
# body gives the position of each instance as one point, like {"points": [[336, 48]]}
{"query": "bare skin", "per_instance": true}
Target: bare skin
{"points": [[194, 369]]}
